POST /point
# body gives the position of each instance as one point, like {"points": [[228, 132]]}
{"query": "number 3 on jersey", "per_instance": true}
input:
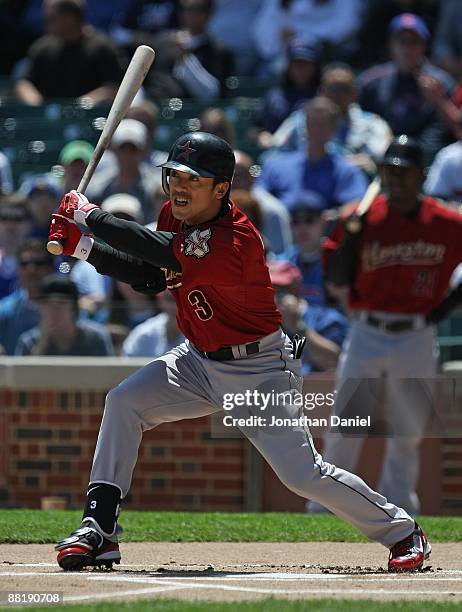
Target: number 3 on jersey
{"points": [[201, 307]]}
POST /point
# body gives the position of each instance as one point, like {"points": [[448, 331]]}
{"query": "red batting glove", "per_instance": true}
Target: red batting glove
{"points": [[76, 206], [68, 234]]}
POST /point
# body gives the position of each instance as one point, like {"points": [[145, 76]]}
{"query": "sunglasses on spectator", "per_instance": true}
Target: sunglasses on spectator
{"points": [[308, 219], [35, 262]]}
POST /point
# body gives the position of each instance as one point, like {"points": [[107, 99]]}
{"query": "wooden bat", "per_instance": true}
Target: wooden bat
{"points": [[133, 78], [354, 222]]}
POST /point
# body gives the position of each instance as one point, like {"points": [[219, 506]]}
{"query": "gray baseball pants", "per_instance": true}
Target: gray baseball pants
{"points": [[183, 385], [407, 364]]}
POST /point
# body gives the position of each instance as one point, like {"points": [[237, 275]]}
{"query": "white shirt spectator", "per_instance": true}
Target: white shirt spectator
{"points": [[149, 339], [364, 133], [332, 21], [444, 179]]}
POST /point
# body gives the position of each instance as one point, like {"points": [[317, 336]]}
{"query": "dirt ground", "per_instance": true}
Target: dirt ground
{"points": [[237, 571]]}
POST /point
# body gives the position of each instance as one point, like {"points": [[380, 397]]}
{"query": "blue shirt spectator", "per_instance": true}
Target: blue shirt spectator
{"points": [[19, 311], [59, 332], [312, 274], [329, 176], [17, 315], [327, 322], [338, 182]]}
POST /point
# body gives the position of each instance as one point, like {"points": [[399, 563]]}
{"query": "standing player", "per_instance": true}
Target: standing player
{"points": [[211, 258], [398, 270]]}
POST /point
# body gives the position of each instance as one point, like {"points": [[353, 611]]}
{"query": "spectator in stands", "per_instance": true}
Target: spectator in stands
{"points": [[19, 310], [299, 83], [59, 331], [71, 61], [226, 26], [332, 23], [276, 220], [444, 179], [308, 225], [14, 226], [156, 335], [447, 45], [330, 176], [74, 158], [132, 174], [324, 328], [6, 177], [216, 121], [43, 194], [373, 38], [189, 62], [409, 92], [361, 136]]}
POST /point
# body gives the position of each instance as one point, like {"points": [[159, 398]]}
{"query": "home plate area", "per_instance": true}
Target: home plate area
{"points": [[235, 571]]}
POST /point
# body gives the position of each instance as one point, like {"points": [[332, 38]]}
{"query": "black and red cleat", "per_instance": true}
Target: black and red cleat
{"points": [[87, 547], [409, 554]]}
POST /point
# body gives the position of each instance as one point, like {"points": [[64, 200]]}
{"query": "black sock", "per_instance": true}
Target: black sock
{"points": [[102, 506]]}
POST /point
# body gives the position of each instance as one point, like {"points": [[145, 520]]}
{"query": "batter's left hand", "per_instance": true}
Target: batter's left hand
{"points": [[75, 206]]}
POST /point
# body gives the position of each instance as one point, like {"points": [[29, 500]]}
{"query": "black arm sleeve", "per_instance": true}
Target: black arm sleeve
{"points": [[135, 239], [341, 266], [450, 302], [142, 276]]}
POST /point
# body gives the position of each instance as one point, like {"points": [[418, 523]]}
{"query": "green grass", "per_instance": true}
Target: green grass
{"points": [[267, 605], [39, 526]]}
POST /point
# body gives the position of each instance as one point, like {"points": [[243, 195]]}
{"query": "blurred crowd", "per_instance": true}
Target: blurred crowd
{"points": [[343, 77]]}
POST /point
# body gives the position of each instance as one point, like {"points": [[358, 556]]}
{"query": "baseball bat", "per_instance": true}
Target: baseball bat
{"points": [[131, 82], [372, 192]]}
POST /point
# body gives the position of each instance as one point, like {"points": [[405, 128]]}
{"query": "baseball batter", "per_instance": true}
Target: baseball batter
{"points": [[211, 258], [398, 268]]}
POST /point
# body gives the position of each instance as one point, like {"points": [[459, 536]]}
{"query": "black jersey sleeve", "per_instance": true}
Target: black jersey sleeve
{"points": [[130, 237], [141, 275]]}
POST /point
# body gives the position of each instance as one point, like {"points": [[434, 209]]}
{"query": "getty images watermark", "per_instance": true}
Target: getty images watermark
{"points": [[291, 405]]}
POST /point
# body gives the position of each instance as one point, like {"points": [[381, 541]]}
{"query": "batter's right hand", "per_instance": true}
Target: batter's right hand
{"points": [[66, 231]]}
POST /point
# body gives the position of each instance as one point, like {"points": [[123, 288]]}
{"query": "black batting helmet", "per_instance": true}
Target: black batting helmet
{"points": [[200, 154], [405, 152]]}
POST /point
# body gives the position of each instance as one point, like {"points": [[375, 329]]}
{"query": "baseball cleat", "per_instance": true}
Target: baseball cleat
{"points": [[409, 554], [87, 547]]}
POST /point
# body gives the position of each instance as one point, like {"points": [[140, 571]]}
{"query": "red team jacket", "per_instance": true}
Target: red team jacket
{"points": [[223, 294], [404, 263]]}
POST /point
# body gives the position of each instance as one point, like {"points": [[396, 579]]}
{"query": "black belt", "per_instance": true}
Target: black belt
{"points": [[391, 326], [226, 353]]}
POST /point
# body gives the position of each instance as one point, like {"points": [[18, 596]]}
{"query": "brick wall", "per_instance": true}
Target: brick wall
{"points": [[49, 438]]}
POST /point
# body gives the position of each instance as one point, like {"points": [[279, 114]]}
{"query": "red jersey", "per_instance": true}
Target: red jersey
{"points": [[223, 293], [404, 263]]}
